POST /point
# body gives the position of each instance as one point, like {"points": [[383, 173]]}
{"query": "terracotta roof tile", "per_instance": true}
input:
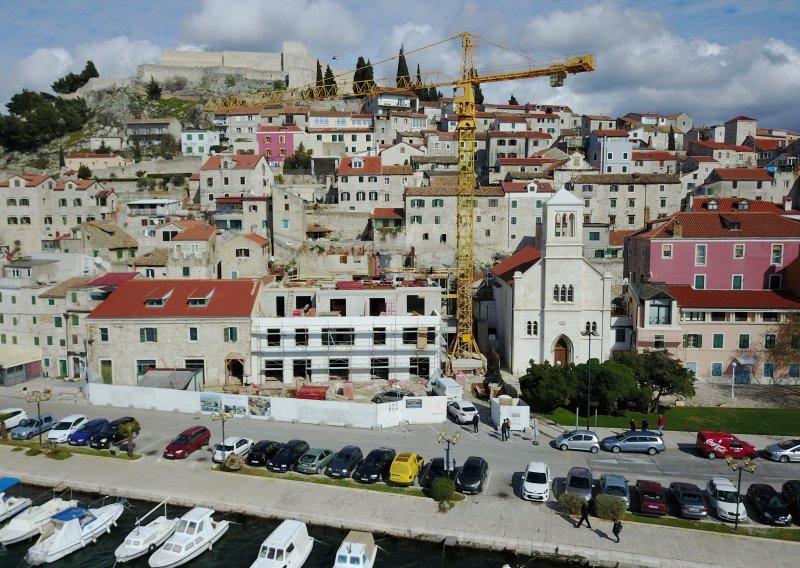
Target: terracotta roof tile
{"points": [[715, 225], [653, 156], [396, 170], [237, 162], [451, 191], [688, 297], [517, 134], [626, 179], [521, 260], [719, 146], [258, 239], [156, 257], [252, 110], [741, 174], [741, 118], [372, 166], [732, 204], [617, 238], [615, 132], [387, 213]]}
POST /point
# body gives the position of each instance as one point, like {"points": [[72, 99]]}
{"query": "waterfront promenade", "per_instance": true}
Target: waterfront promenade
{"points": [[482, 522]]}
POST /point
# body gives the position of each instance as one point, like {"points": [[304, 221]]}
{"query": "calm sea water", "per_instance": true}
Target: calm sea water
{"points": [[239, 547]]}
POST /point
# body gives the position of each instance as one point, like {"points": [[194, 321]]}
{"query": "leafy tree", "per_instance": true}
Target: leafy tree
{"points": [[442, 491], [38, 118], [513, 100], [72, 82], [178, 180], [476, 89], [169, 146], [786, 351], [130, 430], [671, 139], [546, 387], [84, 172], [369, 77], [612, 382], [153, 89], [61, 162], [103, 149], [329, 81], [300, 160], [358, 76], [403, 77], [658, 374]]}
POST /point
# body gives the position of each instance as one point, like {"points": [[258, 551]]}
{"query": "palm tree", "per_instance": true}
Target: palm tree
{"points": [[130, 430]]}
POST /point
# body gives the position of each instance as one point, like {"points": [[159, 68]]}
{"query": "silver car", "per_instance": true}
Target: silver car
{"points": [[635, 441], [615, 486], [585, 440], [579, 481], [786, 451]]}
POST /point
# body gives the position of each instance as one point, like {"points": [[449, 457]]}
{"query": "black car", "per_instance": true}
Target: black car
{"points": [[375, 466], [285, 458], [791, 493], [344, 462], [261, 452], [770, 504], [471, 475], [690, 499], [433, 469], [110, 434]]}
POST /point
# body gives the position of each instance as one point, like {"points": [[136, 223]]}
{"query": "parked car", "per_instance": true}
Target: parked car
{"points": [[615, 486], [635, 441], [261, 451], [110, 434], [791, 493], [771, 506], [690, 499], [405, 468], [13, 416], [536, 482], [375, 466], [285, 458], [462, 411], [34, 426], [721, 495], [391, 395], [314, 460], [579, 481], [432, 470], [231, 445], [344, 462], [786, 451], [186, 442], [89, 429], [651, 497], [471, 476], [721, 444], [585, 440], [65, 427]]}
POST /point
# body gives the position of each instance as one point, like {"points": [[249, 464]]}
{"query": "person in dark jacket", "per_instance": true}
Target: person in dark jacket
{"points": [[633, 424], [475, 421], [645, 424], [617, 528], [584, 515]]}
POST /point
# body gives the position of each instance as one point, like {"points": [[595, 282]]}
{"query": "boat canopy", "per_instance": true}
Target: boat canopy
{"points": [[69, 514], [7, 483]]}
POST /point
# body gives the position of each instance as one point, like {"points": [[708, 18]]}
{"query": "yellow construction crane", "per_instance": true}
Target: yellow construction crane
{"points": [[464, 352]]}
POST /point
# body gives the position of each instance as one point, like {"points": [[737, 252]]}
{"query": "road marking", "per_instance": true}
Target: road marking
{"points": [[486, 485]]}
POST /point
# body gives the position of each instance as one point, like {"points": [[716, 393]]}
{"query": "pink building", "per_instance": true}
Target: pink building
{"points": [[730, 250], [278, 142]]}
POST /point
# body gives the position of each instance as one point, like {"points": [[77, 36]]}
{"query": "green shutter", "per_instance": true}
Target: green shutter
{"points": [[58, 321], [141, 335], [718, 340], [699, 341]]}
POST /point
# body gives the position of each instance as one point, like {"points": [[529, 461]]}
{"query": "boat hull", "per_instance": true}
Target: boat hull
{"points": [[163, 559], [29, 523], [13, 506], [264, 563], [164, 529]]}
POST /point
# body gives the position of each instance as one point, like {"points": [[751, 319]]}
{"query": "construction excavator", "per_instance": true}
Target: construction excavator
{"points": [[464, 352]]}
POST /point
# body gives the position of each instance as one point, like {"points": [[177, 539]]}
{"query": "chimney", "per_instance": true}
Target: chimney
{"points": [[646, 215], [677, 229], [787, 203]]}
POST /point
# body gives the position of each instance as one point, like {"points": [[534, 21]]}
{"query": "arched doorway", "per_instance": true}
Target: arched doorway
{"points": [[234, 369], [562, 352]]}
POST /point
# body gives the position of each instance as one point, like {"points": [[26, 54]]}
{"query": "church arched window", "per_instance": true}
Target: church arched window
{"points": [[530, 328], [570, 294], [536, 328], [563, 293], [555, 293]]}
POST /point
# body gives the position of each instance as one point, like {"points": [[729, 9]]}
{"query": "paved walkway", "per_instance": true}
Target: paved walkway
{"points": [[487, 523]]}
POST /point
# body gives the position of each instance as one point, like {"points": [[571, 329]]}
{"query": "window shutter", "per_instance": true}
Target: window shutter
{"points": [[699, 341], [141, 335]]}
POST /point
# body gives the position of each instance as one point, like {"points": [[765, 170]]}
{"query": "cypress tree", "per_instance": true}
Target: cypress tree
{"points": [[329, 82], [671, 139], [369, 77], [476, 89], [358, 76], [319, 74], [422, 93], [403, 78]]}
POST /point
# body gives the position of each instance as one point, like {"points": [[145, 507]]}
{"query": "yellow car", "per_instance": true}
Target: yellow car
{"points": [[405, 468]]}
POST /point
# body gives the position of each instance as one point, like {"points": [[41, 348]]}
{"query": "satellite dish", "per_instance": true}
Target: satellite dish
{"points": [[98, 261], [41, 280]]}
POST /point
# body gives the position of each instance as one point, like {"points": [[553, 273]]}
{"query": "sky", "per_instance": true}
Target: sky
{"points": [[713, 59]]}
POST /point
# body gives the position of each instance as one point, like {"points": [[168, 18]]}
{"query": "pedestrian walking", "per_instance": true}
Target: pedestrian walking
{"points": [[584, 515], [645, 424], [660, 424], [475, 421], [617, 528], [633, 424], [504, 430]]}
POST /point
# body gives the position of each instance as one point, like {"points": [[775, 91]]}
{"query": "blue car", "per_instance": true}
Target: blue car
{"points": [[81, 437]]}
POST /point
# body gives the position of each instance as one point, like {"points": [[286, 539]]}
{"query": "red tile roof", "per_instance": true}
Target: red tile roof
{"points": [[237, 162], [521, 260], [79, 184], [615, 132], [768, 143], [396, 170], [522, 186], [113, 279], [543, 115], [617, 238], [714, 225], [386, 213], [226, 299], [525, 161], [688, 297], [731, 204], [654, 156], [742, 174], [504, 118], [702, 158], [30, 180], [271, 128], [194, 231], [372, 165], [741, 118], [518, 134], [720, 146], [258, 239], [240, 111]]}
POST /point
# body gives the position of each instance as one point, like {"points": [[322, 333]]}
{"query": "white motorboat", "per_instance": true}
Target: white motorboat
{"points": [[358, 550], [71, 530], [288, 546], [10, 505], [30, 521], [197, 532], [146, 539]]}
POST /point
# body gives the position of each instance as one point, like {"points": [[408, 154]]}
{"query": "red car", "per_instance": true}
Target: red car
{"points": [[186, 442], [652, 499], [721, 444]]}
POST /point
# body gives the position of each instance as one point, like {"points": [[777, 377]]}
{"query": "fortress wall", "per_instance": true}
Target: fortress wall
{"points": [[190, 58], [252, 60], [163, 73]]}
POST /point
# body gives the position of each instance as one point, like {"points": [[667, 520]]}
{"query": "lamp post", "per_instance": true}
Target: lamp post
{"points": [[733, 379], [37, 397], [589, 333], [223, 417], [451, 441], [746, 465]]}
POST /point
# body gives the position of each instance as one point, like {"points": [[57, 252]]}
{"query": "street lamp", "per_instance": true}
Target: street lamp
{"points": [[733, 379], [37, 397], [746, 465], [589, 333], [223, 417], [451, 441]]}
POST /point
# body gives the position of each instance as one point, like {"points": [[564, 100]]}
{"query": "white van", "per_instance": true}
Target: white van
{"points": [[445, 386]]}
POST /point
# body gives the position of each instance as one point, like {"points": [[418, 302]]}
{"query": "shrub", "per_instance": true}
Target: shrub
{"points": [[442, 490], [58, 453], [33, 452], [608, 507], [570, 503]]}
